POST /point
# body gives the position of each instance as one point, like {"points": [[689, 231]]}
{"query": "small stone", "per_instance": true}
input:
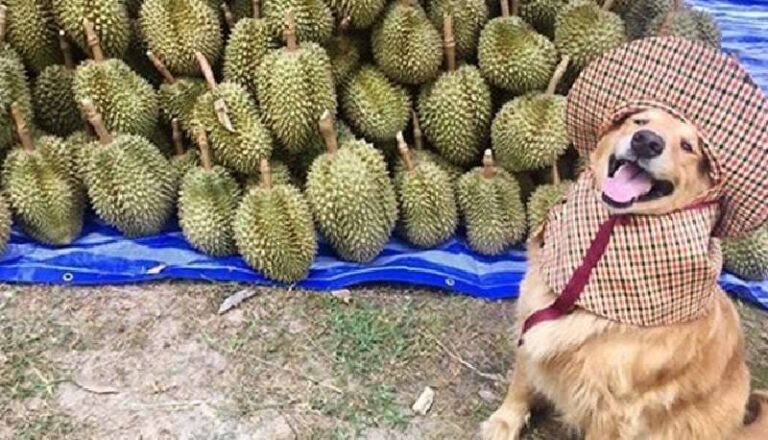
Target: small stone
{"points": [[424, 403]]}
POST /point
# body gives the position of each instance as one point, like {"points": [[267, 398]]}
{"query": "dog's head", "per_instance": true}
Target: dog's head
{"points": [[650, 163]]}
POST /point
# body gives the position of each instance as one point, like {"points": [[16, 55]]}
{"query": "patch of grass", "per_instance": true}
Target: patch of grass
{"points": [[48, 426], [375, 407]]}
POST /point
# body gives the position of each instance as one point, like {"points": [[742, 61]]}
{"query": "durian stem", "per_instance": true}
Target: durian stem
{"points": [[449, 43], [329, 133], [255, 9], [505, 8], [93, 40], [489, 170], [22, 129], [558, 75], [3, 22], [205, 67], [555, 173], [289, 31], [265, 173], [406, 2], [161, 68], [608, 4], [402, 148], [514, 8], [418, 136], [229, 17], [205, 150], [178, 138], [345, 24], [94, 117], [66, 50]]}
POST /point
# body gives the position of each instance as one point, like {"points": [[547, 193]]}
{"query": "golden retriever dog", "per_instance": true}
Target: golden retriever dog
{"points": [[614, 381]]}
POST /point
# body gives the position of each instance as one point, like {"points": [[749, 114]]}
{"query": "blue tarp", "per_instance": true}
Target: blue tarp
{"points": [[103, 256]]}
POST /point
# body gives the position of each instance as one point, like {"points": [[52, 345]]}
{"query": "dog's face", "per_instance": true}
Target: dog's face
{"points": [[650, 163]]}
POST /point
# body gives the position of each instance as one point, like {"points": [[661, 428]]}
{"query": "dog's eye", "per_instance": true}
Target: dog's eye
{"points": [[685, 145], [641, 121]]}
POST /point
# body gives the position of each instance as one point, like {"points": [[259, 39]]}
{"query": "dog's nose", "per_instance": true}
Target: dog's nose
{"points": [[647, 144]]}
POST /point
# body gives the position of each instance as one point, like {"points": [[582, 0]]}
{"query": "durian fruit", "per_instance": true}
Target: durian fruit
{"points": [[747, 257], [238, 137], [5, 223], [541, 14], [32, 33], [110, 23], [543, 199], [130, 184], [13, 88], [300, 164], [53, 97], [274, 231], [126, 101], [455, 110], [426, 199], [46, 199], [514, 57], [182, 159], [176, 29], [177, 96], [709, 31], [313, 18], [295, 86], [79, 144], [490, 204], [469, 17], [584, 31], [345, 52], [279, 173], [684, 22], [351, 197], [376, 107], [362, 14], [243, 9], [249, 41], [454, 172], [136, 57], [641, 13], [208, 199], [405, 44]]}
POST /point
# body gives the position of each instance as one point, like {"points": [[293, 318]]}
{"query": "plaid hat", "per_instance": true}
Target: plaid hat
{"points": [[699, 84]]}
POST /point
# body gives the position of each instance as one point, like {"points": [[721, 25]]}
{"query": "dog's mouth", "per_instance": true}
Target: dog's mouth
{"points": [[629, 183]]}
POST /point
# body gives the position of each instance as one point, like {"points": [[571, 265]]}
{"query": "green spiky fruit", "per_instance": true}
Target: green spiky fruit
{"points": [[175, 29], [240, 9], [346, 53], [32, 32], [274, 232], [747, 256], [686, 23], [182, 163], [249, 41], [109, 17], [13, 88], [642, 12], [79, 144], [529, 132], [178, 100], [300, 164], [55, 108], [469, 17], [362, 13], [295, 88], [127, 101], [492, 210], [709, 31], [280, 174], [242, 149], [352, 200], [542, 14], [47, 201], [208, 201], [136, 57], [456, 114], [452, 171], [406, 46], [585, 32], [543, 199], [314, 20], [514, 57], [5, 223], [376, 107], [130, 184], [427, 204]]}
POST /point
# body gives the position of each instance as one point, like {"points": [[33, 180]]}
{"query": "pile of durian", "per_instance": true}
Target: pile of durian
{"points": [[267, 124]]}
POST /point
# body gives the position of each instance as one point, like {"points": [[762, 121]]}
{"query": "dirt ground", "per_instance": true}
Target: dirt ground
{"points": [[157, 361]]}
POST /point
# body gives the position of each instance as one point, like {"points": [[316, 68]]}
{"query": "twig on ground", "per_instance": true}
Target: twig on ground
{"points": [[459, 359], [95, 389]]}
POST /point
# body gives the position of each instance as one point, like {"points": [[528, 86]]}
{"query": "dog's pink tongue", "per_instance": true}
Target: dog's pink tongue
{"points": [[628, 183]]}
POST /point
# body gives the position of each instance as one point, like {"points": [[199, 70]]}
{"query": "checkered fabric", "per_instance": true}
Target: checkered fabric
{"points": [[653, 271], [700, 84]]}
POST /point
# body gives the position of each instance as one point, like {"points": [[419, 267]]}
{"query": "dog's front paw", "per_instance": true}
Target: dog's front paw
{"points": [[504, 424]]}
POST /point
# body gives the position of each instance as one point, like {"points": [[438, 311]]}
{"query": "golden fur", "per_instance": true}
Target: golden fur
{"points": [[614, 381]]}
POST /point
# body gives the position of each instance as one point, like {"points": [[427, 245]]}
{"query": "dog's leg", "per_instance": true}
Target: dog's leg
{"points": [[507, 422]]}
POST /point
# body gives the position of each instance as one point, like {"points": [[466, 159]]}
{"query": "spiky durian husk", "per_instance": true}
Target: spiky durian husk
{"points": [[126, 101], [469, 17], [109, 17], [32, 32], [513, 57], [242, 149], [641, 13], [279, 171], [47, 201], [427, 204], [747, 256], [240, 9], [492, 210], [362, 13], [295, 88], [274, 232], [529, 132], [314, 20], [453, 172], [406, 46], [585, 32], [5, 223], [183, 163], [455, 114], [207, 204], [301, 163], [686, 23], [374, 160], [136, 57], [130, 184], [347, 202], [249, 41], [709, 31], [541, 14], [178, 100], [175, 29], [346, 54], [55, 108], [375, 106], [543, 199], [13, 88], [79, 144]]}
